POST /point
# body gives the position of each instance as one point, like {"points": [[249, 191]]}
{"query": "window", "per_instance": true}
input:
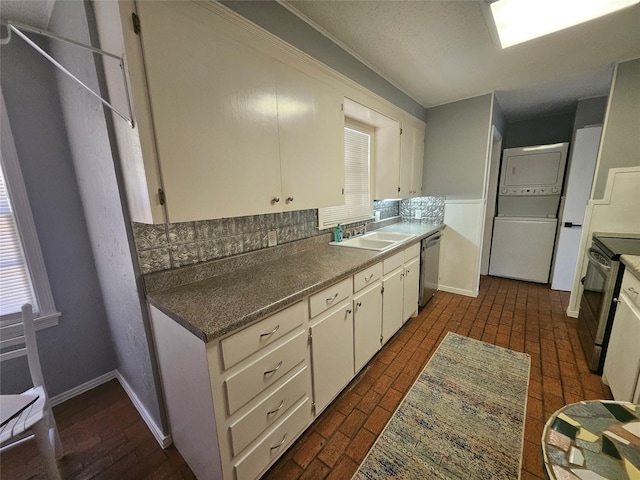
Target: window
{"points": [[358, 144], [23, 277]]}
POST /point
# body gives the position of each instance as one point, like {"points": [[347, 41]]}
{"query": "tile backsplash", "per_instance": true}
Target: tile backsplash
{"points": [[173, 245], [431, 209]]}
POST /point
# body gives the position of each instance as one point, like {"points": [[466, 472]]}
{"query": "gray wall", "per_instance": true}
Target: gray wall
{"points": [[621, 138], [87, 130], [539, 131], [456, 148], [497, 118], [590, 111], [281, 22], [79, 349]]}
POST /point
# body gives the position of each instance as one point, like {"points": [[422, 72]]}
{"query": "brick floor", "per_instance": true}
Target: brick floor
{"points": [[104, 437]]}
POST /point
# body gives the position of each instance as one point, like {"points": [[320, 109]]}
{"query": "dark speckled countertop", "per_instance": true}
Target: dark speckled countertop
{"points": [[211, 302]]}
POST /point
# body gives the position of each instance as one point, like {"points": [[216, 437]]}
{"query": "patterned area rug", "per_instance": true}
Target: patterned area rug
{"points": [[462, 419]]}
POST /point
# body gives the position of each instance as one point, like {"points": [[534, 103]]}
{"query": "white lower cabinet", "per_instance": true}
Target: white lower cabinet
{"points": [[367, 324], [236, 404], [331, 354], [392, 301], [411, 289]]}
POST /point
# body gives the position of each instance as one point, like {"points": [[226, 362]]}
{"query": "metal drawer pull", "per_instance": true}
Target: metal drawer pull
{"points": [[277, 409], [368, 278], [349, 312], [290, 199], [281, 443], [329, 300], [269, 372], [271, 332]]}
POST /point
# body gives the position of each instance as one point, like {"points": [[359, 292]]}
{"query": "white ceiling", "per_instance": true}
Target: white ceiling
{"points": [[442, 51]]}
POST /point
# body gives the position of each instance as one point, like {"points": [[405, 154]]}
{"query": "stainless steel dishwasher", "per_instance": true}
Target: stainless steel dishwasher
{"points": [[429, 260]]}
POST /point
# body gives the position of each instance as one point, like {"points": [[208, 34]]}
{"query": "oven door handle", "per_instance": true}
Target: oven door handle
{"points": [[591, 254]]}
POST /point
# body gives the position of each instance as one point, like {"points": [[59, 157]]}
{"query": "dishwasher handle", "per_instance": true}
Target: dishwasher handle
{"points": [[432, 240]]}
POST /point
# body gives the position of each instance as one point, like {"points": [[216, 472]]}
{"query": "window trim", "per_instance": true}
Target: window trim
{"points": [[48, 314], [369, 130]]}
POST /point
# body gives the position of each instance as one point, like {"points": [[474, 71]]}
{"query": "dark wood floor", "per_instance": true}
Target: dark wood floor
{"points": [[104, 437]]}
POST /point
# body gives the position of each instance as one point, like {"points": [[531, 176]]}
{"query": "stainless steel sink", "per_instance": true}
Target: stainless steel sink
{"points": [[376, 240]]}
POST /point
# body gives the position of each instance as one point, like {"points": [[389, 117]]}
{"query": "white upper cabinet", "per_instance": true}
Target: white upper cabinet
{"points": [[311, 132], [215, 115], [411, 157], [238, 132]]}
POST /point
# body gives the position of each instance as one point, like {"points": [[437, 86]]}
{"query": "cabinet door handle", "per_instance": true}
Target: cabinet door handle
{"points": [[368, 278], [331, 299], [358, 305], [349, 311], [408, 271], [281, 443], [290, 199], [277, 409], [276, 199], [269, 372], [633, 291], [271, 332]]}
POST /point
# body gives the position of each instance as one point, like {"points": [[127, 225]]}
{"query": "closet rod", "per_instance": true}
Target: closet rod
{"points": [[17, 28]]}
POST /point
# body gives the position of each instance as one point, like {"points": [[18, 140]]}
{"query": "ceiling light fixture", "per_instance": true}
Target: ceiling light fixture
{"points": [[518, 21]]}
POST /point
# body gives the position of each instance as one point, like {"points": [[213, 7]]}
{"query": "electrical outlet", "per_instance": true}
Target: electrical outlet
{"points": [[418, 214], [272, 238]]}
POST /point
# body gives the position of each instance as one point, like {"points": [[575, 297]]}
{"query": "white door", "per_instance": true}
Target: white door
{"points": [[215, 114], [392, 304], [411, 285], [311, 132], [367, 319], [580, 178], [332, 355]]}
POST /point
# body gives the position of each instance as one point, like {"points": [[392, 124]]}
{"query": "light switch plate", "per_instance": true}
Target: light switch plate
{"points": [[272, 238]]}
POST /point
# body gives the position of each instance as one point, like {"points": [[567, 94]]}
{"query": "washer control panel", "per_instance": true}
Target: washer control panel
{"points": [[530, 191]]}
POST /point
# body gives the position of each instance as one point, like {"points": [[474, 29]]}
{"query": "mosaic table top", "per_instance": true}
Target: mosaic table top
{"points": [[593, 440]]}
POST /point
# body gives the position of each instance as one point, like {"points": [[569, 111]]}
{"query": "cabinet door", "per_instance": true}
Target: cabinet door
{"points": [[311, 132], [418, 159], [392, 300], [214, 111], [411, 158], [410, 293], [387, 161], [332, 355], [367, 319], [622, 363]]}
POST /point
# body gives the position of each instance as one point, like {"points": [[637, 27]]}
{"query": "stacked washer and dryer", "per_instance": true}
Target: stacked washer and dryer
{"points": [[524, 229]]}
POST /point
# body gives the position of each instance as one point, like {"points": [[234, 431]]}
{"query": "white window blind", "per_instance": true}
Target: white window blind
{"points": [[15, 283], [357, 181], [23, 275]]}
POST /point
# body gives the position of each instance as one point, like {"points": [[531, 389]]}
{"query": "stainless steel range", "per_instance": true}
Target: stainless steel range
{"points": [[601, 287]]}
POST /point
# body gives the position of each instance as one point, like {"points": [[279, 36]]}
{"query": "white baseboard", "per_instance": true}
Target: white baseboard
{"points": [[163, 439], [572, 313], [459, 291], [85, 387]]}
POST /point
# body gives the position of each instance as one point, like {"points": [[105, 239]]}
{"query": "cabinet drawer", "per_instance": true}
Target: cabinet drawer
{"points": [[268, 411], [412, 252], [264, 371], [329, 297], [367, 277], [391, 263], [274, 444], [248, 341], [631, 288]]}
